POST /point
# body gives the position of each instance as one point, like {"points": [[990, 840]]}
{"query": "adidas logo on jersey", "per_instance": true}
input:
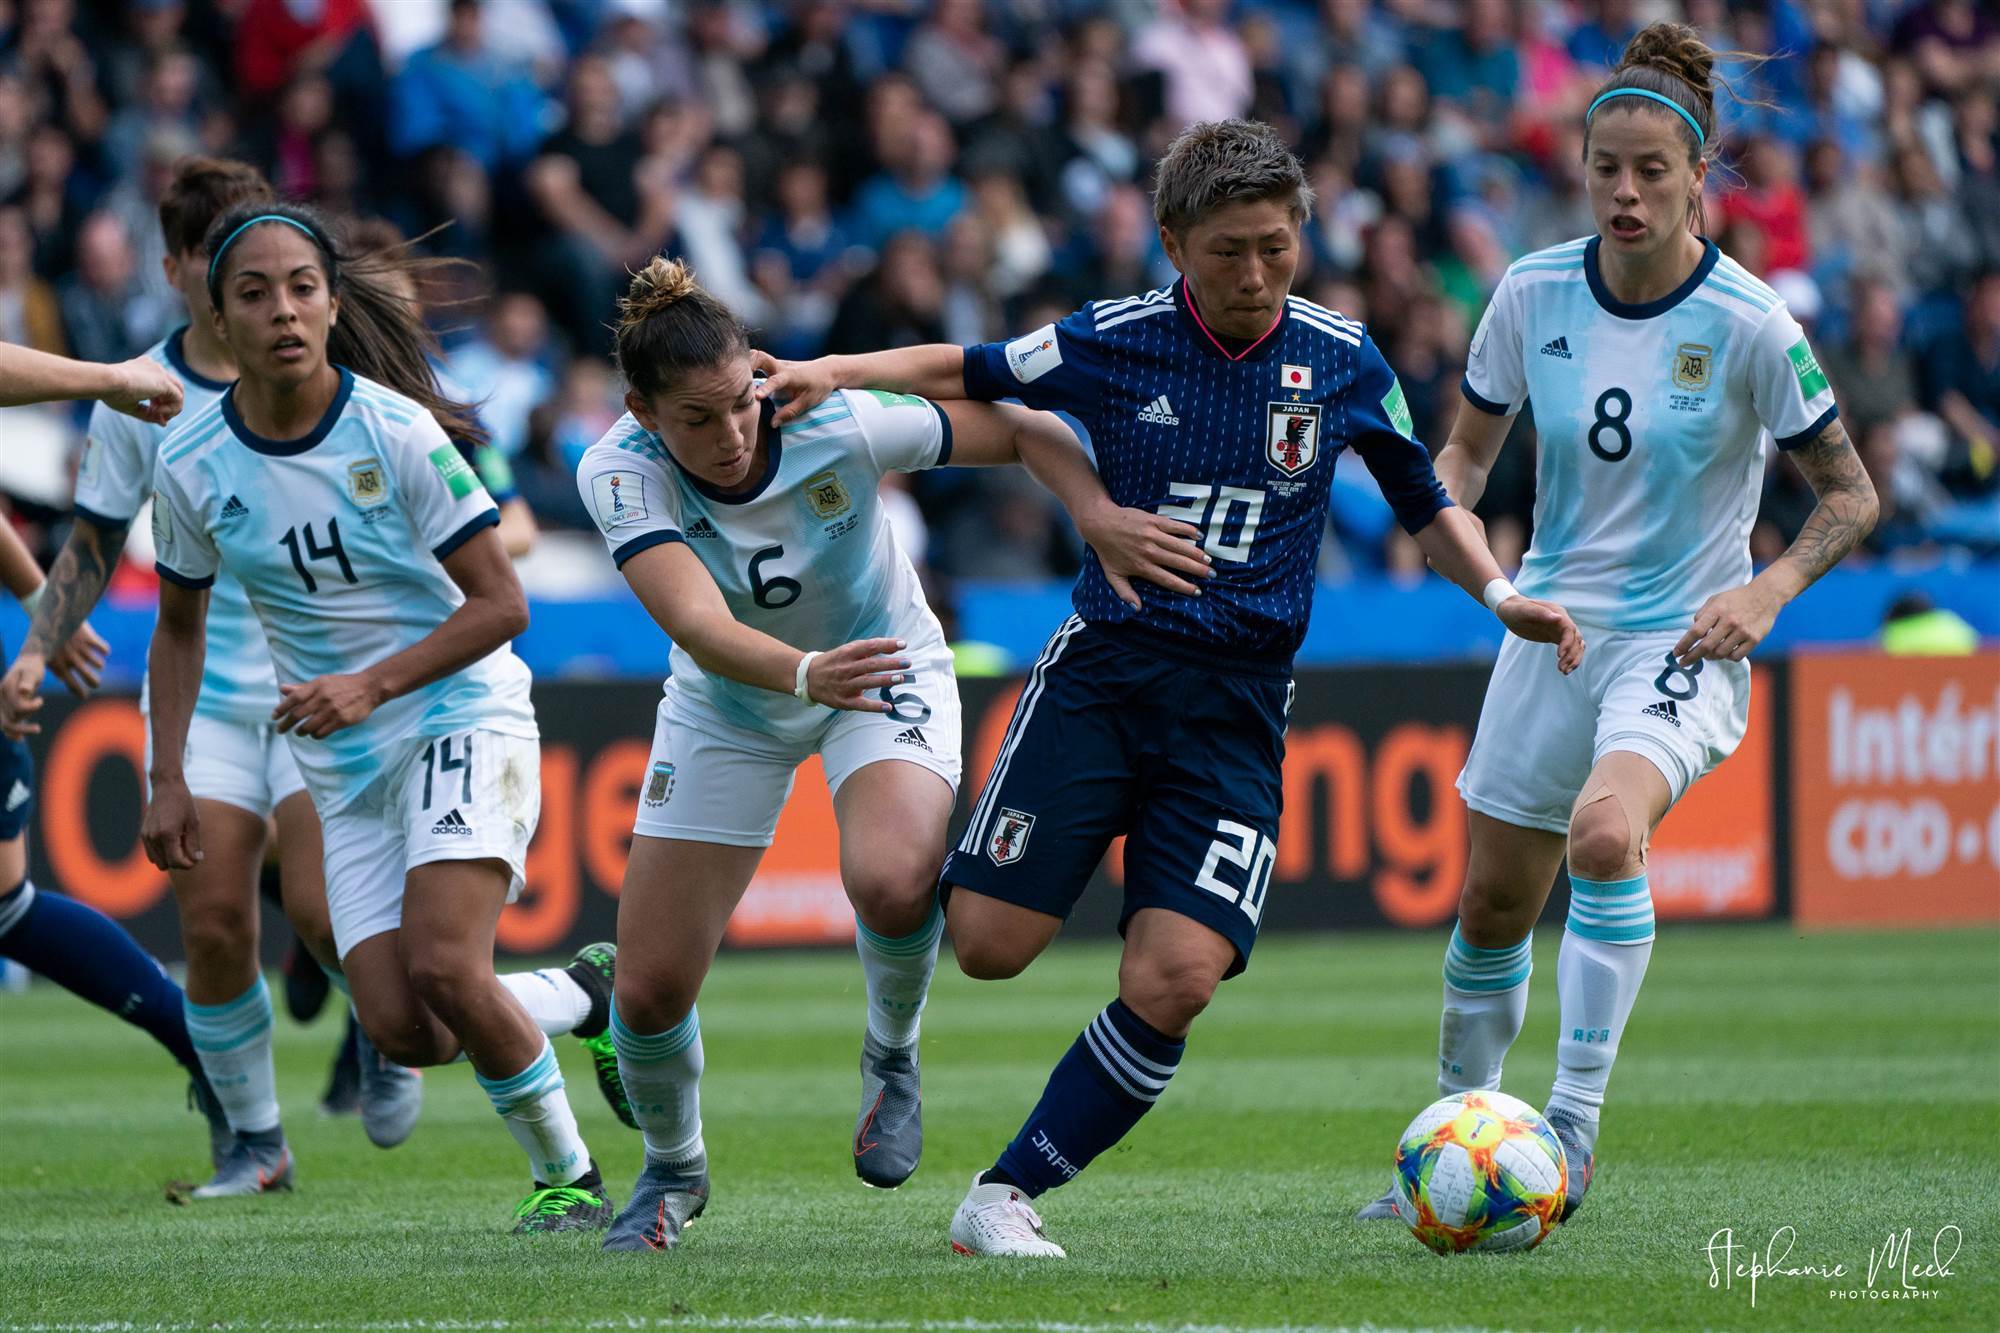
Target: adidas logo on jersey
{"points": [[1557, 347], [233, 508], [1666, 710], [915, 736], [701, 527], [452, 825], [1160, 412]]}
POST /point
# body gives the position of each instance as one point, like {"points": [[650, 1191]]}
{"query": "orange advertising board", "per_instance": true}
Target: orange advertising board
{"points": [[1895, 789], [1711, 856]]}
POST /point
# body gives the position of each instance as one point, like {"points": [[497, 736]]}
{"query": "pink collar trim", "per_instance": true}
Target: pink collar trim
{"points": [[1187, 299]]}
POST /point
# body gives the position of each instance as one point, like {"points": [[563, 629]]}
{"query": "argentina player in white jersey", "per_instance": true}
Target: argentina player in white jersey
{"points": [[1222, 401], [238, 767], [325, 483], [1658, 368], [798, 628]]}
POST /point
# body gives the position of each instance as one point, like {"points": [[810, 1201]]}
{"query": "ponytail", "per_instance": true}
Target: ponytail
{"points": [[380, 334], [668, 325]]}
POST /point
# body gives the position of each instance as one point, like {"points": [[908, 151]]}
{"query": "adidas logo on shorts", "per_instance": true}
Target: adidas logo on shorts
{"points": [[452, 825], [17, 795], [701, 527], [233, 508], [1160, 412], [1557, 347], [915, 736], [1665, 709]]}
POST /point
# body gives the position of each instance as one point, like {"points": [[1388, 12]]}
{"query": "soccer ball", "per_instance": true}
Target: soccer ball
{"points": [[1480, 1171]]}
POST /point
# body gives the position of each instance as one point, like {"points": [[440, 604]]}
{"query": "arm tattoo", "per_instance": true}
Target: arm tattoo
{"points": [[1846, 509], [76, 581]]}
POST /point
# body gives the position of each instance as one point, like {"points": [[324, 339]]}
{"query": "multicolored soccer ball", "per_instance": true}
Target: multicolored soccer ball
{"points": [[1480, 1171]]}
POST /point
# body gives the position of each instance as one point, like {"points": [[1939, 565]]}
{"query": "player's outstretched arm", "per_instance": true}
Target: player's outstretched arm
{"points": [[680, 594], [495, 610], [1453, 543], [171, 830], [1733, 622], [934, 370], [59, 638], [1468, 455], [1132, 545], [139, 388]]}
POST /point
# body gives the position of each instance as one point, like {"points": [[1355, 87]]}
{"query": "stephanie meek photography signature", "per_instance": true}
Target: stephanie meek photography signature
{"points": [[1901, 1268]]}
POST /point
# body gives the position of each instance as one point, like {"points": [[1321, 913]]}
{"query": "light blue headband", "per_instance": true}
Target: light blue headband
{"points": [[223, 249], [1663, 100]]}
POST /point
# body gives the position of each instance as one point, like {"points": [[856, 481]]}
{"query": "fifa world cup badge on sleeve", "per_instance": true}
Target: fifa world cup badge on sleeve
{"points": [[1034, 355], [163, 531], [620, 498], [1010, 837], [1292, 443]]}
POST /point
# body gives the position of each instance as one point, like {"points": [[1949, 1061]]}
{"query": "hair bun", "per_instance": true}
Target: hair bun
{"points": [[1676, 49], [655, 287]]}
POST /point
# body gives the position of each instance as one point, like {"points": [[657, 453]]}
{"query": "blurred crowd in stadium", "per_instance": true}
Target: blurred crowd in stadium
{"points": [[854, 174]]}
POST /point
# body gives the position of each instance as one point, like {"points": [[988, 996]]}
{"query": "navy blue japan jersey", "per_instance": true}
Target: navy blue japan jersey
{"points": [[1241, 446]]}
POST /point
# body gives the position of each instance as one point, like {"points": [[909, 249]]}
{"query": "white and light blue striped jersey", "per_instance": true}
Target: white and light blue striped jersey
{"points": [[806, 555], [116, 476], [1652, 421], [337, 538]]}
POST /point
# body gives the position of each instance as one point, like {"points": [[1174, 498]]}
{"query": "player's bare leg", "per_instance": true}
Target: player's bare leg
{"points": [[892, 817], [1607, 943], [992, 939], [675, 903], [228, 1004], [1509, 873]]}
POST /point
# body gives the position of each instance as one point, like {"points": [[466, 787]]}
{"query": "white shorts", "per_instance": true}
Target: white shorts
{"points": [[709, 781], [244, 764], [467, 797], [1541, 733]]}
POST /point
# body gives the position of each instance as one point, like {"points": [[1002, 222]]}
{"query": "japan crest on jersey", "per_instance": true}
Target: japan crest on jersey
{"points": [[1292, 443], [1009, 838]]}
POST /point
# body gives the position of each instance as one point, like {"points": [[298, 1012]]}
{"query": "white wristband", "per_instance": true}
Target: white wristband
{"points": [[799, 679], [1497, 592], [33, 600]]}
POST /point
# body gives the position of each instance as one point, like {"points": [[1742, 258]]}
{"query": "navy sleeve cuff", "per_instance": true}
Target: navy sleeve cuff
{"points": [[1416, 517], [645, 541], [944, 448], [1483, 403], [1810, 433], [980, 380], [182, 579], [102, 522], [489, 519]]}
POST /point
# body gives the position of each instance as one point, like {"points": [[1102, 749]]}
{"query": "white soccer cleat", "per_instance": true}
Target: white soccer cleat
{"points": [[997, 1220]]}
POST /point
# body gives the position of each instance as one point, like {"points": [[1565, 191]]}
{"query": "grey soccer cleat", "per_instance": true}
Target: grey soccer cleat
{"points": [[889, 1131], [392, 1096], [1579, 1158], [1383, 1207], [221, 1138], [664, 1203], [257, 1164]]}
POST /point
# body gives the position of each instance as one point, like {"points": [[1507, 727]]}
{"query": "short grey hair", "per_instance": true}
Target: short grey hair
{"points": [[1215, 163]]}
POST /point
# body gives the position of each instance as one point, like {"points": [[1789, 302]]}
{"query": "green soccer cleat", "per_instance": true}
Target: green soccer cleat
{"points": [[604, 1059], [582, 1205]]}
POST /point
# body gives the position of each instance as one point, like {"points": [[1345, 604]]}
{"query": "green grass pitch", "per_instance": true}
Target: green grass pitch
{"points": [[1845, 1085]]}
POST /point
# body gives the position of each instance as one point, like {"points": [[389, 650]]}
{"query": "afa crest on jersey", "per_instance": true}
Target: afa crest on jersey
{"points": [[364, 483], [1291, 443], [1693, 363], [1009, 838], [660, 783], [827, 496]]}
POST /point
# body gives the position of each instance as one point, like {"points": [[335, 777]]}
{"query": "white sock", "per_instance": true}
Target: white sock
{"points": [[1605, 948], [551, 997], [1485, 1003], [662, 1074], [537, 1113], [233, 1040], [898, 973]]}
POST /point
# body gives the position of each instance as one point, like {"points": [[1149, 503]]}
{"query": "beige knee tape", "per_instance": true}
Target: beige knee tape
{"points": [[1597, 789]]}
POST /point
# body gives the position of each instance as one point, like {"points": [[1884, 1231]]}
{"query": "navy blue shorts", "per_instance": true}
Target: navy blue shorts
{"points": [[17, 788], [1185, 760]]}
